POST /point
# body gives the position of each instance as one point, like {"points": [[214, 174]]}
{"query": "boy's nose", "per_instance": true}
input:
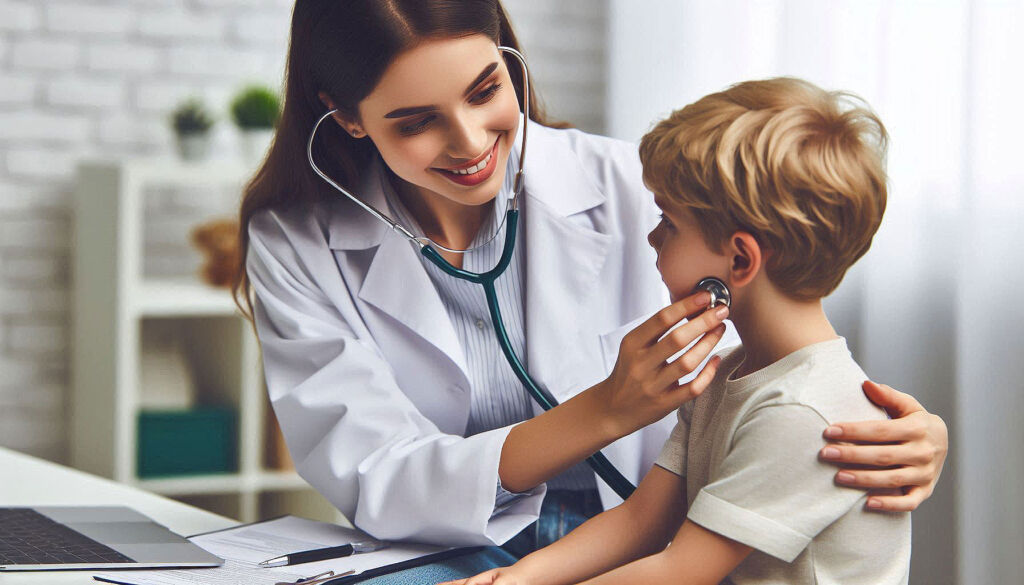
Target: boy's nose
{"points": [[652, 238]]}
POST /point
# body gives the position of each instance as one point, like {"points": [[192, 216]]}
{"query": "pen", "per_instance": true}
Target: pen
{"points": [[322, 554]]}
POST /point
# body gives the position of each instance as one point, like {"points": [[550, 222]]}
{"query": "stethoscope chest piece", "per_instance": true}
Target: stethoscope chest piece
{"points": [[720, 294]]}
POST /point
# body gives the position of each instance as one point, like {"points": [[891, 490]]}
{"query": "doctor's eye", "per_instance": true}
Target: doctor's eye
{"points": [[416, 127], [485, 95]]}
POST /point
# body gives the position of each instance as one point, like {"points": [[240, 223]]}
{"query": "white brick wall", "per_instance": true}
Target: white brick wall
{"points": [[86, 77]]}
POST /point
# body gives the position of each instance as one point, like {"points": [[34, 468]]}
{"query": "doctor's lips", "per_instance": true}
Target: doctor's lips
{"points": [[475, 171]]}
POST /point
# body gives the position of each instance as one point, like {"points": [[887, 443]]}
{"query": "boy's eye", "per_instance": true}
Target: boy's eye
{"points": [[485, 95], [417, 126], [665, 221]]}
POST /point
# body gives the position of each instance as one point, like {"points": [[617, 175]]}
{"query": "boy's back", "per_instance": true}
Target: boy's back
{"points": [[746, 447]]}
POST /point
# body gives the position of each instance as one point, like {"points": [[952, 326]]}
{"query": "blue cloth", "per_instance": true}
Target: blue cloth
{"points": [[561, 513]]}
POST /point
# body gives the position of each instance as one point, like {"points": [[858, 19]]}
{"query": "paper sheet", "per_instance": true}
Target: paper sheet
{"points": [[243, 547]]}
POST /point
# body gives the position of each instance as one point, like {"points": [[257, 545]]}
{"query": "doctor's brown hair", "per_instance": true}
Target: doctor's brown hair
{"points": [[342, 48], [799, 168]]}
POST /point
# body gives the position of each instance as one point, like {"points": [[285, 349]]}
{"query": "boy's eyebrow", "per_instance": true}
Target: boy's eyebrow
{"points": [[404, 112]]}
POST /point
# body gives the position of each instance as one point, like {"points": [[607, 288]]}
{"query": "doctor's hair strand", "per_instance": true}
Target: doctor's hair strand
{"points": [[342, 48]]}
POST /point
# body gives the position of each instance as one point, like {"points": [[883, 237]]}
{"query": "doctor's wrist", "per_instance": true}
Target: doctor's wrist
{"points": [[609, 424]]}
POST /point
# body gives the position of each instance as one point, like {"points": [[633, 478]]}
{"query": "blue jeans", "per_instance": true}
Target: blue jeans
{"points": [[561, 512]]}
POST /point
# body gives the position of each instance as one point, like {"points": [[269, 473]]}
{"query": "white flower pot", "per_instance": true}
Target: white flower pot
{"points": [[255, 143], [194, 146]]}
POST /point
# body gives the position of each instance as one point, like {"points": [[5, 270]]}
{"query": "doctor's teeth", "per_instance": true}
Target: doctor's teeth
{"points": [[475, 168]]}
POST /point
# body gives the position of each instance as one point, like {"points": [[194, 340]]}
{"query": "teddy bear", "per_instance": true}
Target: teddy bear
{"points": [[218, 241]]}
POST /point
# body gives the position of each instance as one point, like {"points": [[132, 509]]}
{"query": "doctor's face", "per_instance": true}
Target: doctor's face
{"points": [[683, 256], [444, 118]]}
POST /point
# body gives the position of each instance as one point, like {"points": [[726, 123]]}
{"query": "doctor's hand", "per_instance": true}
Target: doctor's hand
{"points": [[905, 454], [644, 385]]}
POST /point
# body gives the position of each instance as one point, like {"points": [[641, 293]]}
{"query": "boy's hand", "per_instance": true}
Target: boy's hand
{"points": [[907, 452], [499, 576], [644, 386]]}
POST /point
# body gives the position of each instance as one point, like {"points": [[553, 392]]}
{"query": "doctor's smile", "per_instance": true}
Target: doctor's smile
{"points": [[476, 171]]}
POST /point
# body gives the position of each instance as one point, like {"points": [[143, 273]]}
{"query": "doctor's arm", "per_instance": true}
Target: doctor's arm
{"points": [[906, 452], [355, 436]]}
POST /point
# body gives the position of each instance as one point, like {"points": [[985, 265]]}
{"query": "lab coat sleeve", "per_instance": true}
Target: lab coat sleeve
{"points": [[352, 432]]}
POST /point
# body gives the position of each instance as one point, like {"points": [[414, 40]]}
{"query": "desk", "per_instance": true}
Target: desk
{"points": [[28, 481]]}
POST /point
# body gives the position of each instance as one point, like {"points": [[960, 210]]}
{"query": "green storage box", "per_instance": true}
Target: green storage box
{"points": [[187, 442]]}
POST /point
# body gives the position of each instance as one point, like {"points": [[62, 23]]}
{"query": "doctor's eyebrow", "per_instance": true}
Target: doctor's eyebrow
{"points": [[404, 112]]}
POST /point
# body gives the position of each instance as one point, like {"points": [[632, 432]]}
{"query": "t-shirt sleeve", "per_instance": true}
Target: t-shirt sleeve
{"points": [[771, 492], [673, 454]]}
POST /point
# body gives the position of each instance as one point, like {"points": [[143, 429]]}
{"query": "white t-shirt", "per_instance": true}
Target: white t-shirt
{"points": [[748, 449]]}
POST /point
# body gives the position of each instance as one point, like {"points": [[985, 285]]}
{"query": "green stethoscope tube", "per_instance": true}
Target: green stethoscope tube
{"points": [[598, 462]]}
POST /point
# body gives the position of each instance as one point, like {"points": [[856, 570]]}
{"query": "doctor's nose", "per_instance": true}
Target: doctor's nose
{"points": [[466, 138]]}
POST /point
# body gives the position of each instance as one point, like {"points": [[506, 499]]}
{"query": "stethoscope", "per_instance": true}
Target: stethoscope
{"points": [[428, 248]]}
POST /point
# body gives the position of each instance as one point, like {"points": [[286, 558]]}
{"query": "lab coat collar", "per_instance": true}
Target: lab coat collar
{"points": [[564, 259], [553, 175]]}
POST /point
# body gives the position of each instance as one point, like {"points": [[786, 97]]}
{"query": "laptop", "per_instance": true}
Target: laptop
{"points": [[63, 537]]}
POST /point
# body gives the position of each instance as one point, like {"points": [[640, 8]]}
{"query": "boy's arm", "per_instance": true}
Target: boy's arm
{"points": [[640, 526], [696, 556]]}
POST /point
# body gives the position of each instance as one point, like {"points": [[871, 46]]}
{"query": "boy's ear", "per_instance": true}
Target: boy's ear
{"points": [[353, 127], [745, 258]]}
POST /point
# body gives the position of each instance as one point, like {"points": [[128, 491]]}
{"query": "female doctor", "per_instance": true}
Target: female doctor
{"points": [[384, 372]]}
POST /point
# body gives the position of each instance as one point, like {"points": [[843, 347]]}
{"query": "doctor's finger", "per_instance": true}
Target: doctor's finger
{"points": [[653, 328], [695, 387], [685, 334], [900, 477], [907, 502], [876, 455], [690, 361]]}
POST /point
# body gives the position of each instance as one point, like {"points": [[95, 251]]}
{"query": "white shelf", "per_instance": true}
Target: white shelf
{"points": [[113, 305], [180, 298]]}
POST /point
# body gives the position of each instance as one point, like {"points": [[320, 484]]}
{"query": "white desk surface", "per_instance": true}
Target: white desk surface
{"points": [[28, 481]]}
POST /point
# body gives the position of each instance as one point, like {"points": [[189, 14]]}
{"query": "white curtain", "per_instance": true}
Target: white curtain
{"points": [[936, 308]]}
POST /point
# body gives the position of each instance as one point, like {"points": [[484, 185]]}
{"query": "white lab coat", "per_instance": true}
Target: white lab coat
{"points": [[364, 368]]}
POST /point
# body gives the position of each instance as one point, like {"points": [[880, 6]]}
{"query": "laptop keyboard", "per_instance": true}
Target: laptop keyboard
{"points": [[29, 538]]}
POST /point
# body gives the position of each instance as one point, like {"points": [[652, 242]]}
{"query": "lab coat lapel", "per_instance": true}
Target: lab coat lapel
{"points": [[564, 257], [395, 282]]}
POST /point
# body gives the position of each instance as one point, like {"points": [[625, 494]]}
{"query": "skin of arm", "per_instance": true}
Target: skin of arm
{"points": [[696, 556], [640, 526]]}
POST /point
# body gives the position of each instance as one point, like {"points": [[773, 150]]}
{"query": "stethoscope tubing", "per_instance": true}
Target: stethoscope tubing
{"points": [[598, 462]]}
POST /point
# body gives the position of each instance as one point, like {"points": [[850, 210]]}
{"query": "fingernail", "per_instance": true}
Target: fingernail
{"points": [[702, 298], [722, 312], [873, 503], [830, 453], [833, 432], [845, 477]]}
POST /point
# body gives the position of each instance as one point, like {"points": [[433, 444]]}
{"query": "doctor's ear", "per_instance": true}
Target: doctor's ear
{"points": [[349, 125], [746, 258]]}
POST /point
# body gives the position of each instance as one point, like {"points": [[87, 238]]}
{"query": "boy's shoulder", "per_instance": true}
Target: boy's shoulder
{"points": [[823, 377]]}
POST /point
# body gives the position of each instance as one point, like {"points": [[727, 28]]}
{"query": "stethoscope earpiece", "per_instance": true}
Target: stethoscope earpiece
{"points": [[720, 294]]}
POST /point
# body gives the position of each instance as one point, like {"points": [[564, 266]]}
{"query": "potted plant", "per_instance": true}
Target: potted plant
{"points": [[255, 111], [192, 123]]}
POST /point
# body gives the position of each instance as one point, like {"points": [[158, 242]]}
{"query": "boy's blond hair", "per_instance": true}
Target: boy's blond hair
{"points": [[799, 168]]}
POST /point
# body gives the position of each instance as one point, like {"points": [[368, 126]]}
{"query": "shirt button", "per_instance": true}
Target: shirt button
{"points": [[480, 324]]}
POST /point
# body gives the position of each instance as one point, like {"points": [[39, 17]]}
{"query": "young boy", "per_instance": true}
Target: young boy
{"points": [[776, 188]]}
